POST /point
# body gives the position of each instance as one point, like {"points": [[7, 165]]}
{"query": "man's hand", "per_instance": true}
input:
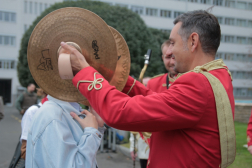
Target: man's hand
{"points": [[88, 121], [99, 119], [250, 149], [133, 155], [78, 61]]}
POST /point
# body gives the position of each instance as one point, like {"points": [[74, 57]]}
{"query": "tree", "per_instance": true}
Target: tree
{"points": [[138, 37]]}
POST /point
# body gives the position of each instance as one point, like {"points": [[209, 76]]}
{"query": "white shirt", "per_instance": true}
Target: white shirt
{"points": [[26, 120], [142, 148]]}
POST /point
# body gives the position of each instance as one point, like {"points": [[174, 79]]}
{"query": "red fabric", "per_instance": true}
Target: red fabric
{"points": [[158, 84], [44, 100], [183, 118], [249, 130]]}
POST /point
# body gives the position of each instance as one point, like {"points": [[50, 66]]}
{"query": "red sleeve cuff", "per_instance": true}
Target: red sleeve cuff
{"points": [[84, 73]]}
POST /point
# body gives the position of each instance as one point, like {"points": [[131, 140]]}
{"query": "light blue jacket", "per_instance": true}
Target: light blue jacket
{"points": [[56, 140]]}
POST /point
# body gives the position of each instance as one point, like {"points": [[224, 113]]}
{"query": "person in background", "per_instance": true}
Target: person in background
{"points": [[26, 99], [249, 134], [162, 82], [141, 146], [27, 119]]}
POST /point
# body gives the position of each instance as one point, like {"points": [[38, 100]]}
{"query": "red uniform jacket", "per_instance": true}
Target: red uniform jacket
{"points": [[183, 118], [249, 130], [158, 84]]}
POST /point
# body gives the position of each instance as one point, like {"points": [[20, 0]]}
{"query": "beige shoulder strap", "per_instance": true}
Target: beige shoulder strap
{"points": [[225, 121]]}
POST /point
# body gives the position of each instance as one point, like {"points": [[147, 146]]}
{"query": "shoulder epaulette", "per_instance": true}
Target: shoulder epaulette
{"points": [[157, 75]]}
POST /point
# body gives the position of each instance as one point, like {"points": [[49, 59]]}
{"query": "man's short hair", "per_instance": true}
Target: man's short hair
{"points": [[167, 42], [30, 84], [206, 25]]}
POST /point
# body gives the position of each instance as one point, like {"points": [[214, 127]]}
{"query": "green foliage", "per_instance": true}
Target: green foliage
{"points": [[138, 37], [243, 157]]}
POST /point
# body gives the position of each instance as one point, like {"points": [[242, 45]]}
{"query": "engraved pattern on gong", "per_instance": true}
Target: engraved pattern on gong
{"points": [[45, 62], [96, 49]]}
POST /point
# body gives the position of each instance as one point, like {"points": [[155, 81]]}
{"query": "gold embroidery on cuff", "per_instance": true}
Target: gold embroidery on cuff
{"points": [[93, 83], [131, 86]]}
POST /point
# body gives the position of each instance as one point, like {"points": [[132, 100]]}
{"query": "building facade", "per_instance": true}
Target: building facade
{"points": [[235, 18]]}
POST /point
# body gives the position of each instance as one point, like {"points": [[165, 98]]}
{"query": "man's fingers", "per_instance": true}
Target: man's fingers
{"points": [[75, 116], [66, 47]]}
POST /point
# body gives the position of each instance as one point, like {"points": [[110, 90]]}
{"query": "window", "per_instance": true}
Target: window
{"points": [[218, 56], [241, 5], [25, 28], [137, 9], [229, 39], [230, 3], [122, 5], [220, 19], [222, 38], [166, 31], [165, 13], [250, 59], [40, 8], [176, 14], [7, 40], [6, 16], [241, 57], [229, 21], [250, 23], [217, 2], [45, 6], [241, 22], [35, 7], [249, 6], [193, 1], [7, 64], [249, 40], [151, 12], [13, 17], [30, 7], [241, 40], [25, 6], [205, 1], [229, 56]]}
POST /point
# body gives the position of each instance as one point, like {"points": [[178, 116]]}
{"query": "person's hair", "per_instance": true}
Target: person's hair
{"points": [[167, 42], [205, 24], [30, 84]]}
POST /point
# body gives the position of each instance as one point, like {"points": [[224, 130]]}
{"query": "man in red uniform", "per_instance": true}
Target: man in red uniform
{"points": [[159, 83], [249, 134], [183, 118]]}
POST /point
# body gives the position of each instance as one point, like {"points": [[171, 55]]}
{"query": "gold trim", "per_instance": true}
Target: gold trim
{"points": [[224, 111], [93, 83], [131, 86], [157, 75]]}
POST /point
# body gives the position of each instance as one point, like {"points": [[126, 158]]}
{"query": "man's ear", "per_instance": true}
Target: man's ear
{"points": [[194, 41]]}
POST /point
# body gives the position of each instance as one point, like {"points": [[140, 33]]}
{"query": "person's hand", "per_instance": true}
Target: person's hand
{"points": [[250, 149], [22, 112], [99, 119], [78, 61], [133, 155], [88, 121]]}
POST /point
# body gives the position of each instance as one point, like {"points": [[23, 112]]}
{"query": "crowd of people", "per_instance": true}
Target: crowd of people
{"points": [[182, 108]]}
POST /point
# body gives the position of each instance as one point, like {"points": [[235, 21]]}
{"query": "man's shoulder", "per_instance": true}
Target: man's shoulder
{"points": [[158, 77], [48, 112]]}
